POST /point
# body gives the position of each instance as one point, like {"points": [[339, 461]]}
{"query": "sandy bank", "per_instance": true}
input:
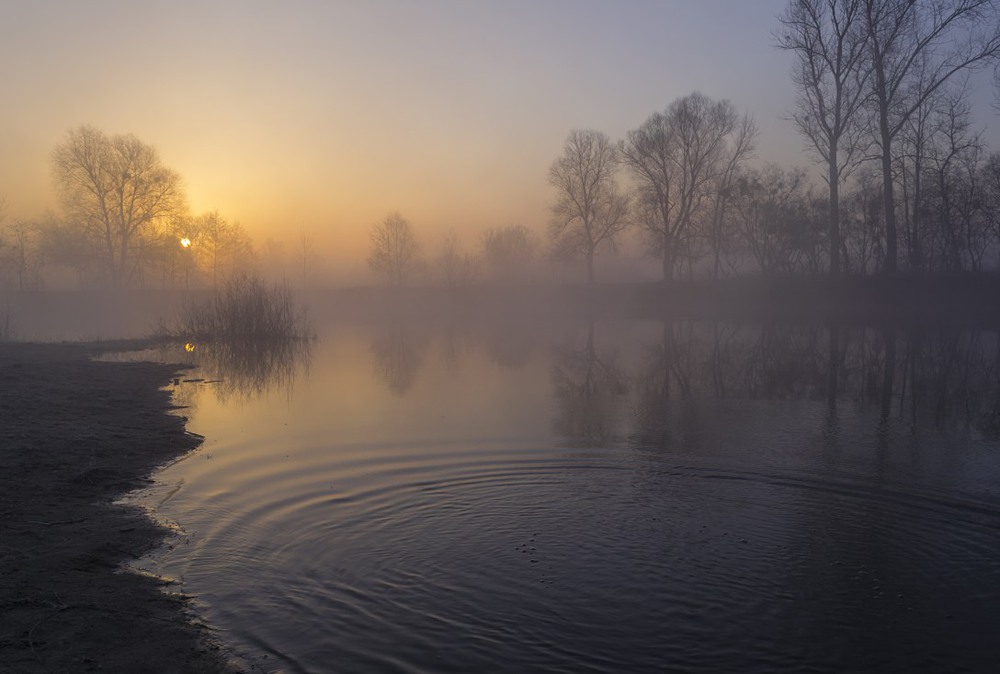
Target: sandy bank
{"points": [[75, 435]]}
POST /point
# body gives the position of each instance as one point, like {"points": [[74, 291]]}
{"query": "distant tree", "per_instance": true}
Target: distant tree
{"points": [[680, 158], [772, 212], [739, 150], [394, 250], [114, 188], [990, 181], [955, 197], [914, 47], [456, 268], [508, 251], [224, 248], [831, 73], [19, 252], [589, 211], [306, 250], [864, 223], [65, 245], [273, 257]]}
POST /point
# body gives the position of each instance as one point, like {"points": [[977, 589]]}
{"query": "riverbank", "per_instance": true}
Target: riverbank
{"points": [[76, 435]]}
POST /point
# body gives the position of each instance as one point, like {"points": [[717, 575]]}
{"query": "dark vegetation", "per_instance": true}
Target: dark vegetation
{"points": [[245, 309]]}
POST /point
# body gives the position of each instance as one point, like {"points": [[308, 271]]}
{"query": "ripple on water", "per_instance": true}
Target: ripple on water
{"points": [[599, 561]]}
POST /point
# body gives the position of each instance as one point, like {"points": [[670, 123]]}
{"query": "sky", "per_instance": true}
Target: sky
{"points": [[325, 116]]}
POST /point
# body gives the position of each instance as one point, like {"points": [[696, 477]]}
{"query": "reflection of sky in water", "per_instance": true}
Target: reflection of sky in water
{"points": [[675, 494]]}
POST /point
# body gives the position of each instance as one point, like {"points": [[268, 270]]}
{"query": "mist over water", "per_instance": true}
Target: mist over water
{"points": [[566, 494]]}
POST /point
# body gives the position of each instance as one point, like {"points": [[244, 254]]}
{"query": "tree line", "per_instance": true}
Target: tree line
{"points": [[883, 105], [124, 221]]}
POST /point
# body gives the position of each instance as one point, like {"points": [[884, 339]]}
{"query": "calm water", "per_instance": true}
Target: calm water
{"points": [[603, 497]]}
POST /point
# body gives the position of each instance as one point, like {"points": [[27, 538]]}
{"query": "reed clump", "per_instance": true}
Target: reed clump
{"points": [[246, 309]]}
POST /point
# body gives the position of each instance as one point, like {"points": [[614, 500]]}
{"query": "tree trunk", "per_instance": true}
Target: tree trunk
{"points": [[889, 265], [834, 214]]}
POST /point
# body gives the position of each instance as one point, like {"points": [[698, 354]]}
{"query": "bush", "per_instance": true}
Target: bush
{"points": [[245, 309]]}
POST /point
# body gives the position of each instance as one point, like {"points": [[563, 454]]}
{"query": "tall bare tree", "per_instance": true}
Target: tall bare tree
{"points": [[677, 158], [740, 149], [115, 188], [590, 211], [394, 250], [913, 47], [831, 72]]}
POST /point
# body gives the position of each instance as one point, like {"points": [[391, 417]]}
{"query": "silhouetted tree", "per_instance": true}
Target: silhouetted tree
{"points": [[508, 252], [990, 182], [115, 188], [864, 223], [394, 250], [308, 256], [830, 72], [717, 233], [678, 158], [224, 247], [456, 268], [68, 246], [19, 252], [590, 211], [913, 47], [771, 216]]}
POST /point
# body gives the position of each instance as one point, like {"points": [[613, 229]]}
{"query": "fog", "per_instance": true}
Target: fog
{"points": [[445, 149]]}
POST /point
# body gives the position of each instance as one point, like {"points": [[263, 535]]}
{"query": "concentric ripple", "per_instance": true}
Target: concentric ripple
{"points": [[345, 545]]}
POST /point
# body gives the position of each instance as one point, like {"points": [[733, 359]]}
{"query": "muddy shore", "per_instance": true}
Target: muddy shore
{"points": [[75, 436]]}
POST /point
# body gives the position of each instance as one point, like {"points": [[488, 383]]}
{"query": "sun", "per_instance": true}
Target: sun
{"points": [[185, 242]]}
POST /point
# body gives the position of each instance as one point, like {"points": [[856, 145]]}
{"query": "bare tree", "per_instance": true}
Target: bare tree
{"points": [[828, 39], [508, 251], [456, 267], [223, 247], [19, 250], [678, 158], [590, 211], [913, 48], [394, 250], [308, 255], [115, 188], [771, 207], [740, 150]]}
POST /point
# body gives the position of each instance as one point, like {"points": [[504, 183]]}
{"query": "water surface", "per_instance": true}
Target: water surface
{"points": [[598, 497]]}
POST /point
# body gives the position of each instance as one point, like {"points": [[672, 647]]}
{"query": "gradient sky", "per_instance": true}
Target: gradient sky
{"points": [[327, 115]]}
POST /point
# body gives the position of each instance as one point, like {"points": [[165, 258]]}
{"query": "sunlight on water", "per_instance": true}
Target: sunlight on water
{"points": [[611, 497]]}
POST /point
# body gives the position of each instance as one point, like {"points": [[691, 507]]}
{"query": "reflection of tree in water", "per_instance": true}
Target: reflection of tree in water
{"points": [[666, 374], [457, 342], [398, 354], [247, 369], [932, 375], [787, 363], [590, 389]]}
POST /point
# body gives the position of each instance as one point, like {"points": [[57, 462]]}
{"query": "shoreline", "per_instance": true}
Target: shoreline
{"points": [[76, 436]]}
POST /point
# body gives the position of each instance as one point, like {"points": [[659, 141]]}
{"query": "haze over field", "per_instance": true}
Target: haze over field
{"points": [[324, 117]]}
